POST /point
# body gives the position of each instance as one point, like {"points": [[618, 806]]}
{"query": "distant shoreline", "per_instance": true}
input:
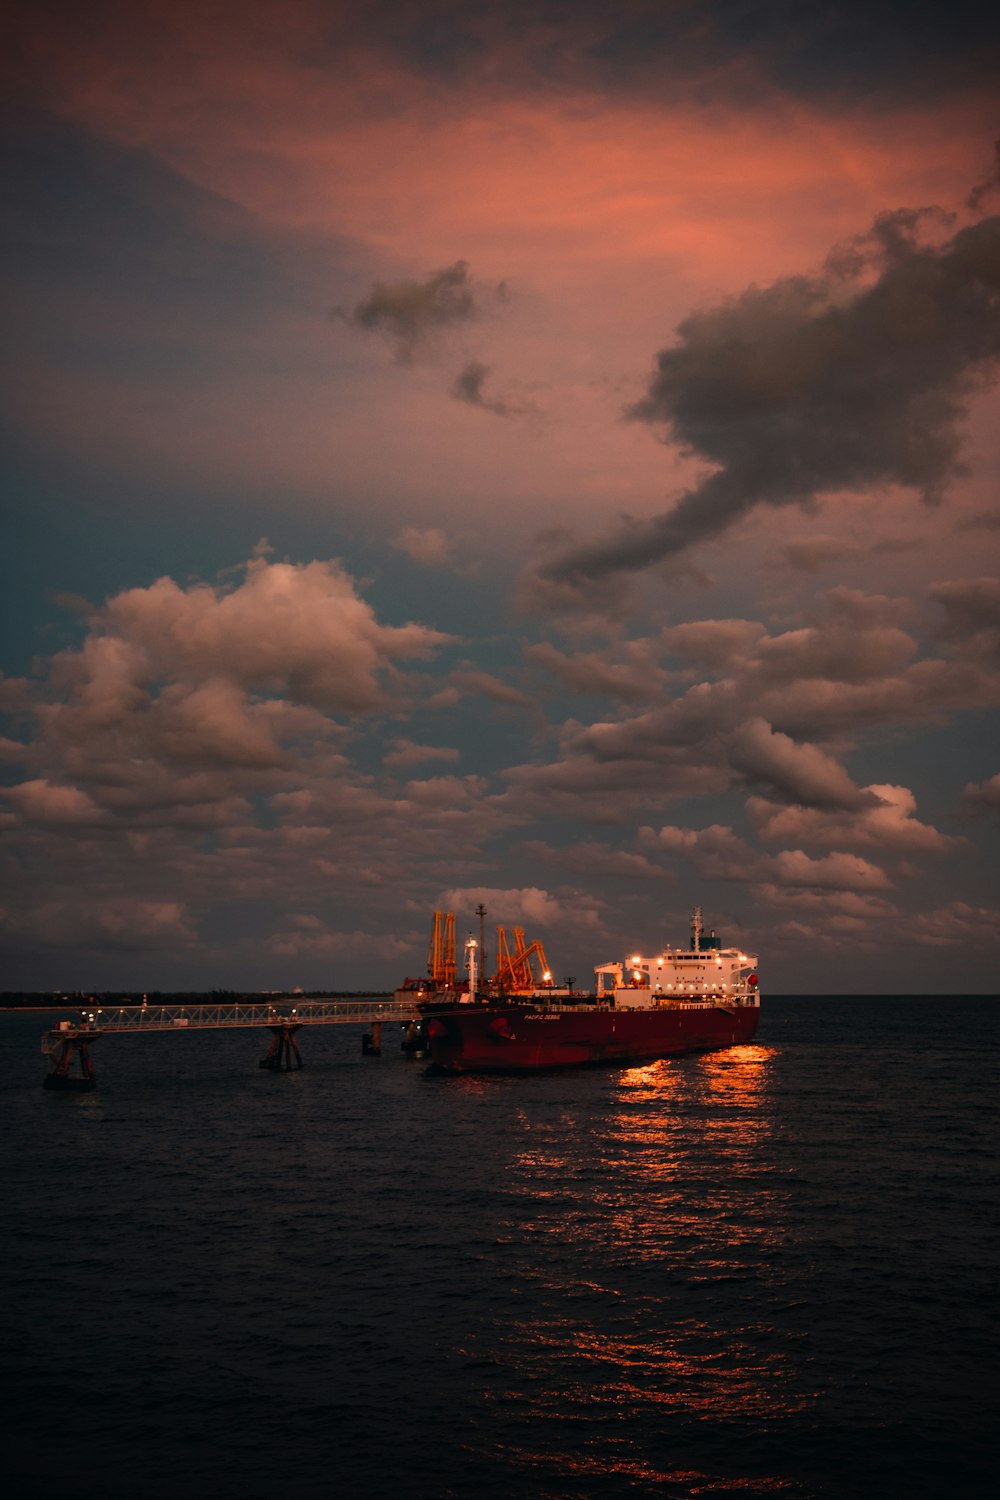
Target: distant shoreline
{"points": [[78, 999]]}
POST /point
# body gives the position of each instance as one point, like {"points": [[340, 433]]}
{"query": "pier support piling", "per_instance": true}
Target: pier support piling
{"points": [[283, 1055], [371, 1042], [62, 1047]]}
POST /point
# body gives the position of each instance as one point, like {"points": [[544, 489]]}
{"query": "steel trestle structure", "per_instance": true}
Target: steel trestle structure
{"points": [[71, 1040]]}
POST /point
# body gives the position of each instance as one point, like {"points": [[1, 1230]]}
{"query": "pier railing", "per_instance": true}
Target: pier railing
{"points": [[179, 1017]]}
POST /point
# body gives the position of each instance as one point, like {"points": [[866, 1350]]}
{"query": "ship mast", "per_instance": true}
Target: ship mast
{"points": [[696, 930]]}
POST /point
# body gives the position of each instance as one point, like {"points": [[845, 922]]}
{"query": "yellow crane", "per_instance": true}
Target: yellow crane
{"points": [[441, 954], [514, 972]]}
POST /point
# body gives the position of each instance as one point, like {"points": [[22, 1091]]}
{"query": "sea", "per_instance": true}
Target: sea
{"points": [[769, 1270]]}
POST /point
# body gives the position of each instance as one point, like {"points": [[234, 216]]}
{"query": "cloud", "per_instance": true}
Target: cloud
{"points": [[412, 313], [638, 679], [719, 854], [469, 387], [972, 607], [426, 545], [404, 753], [300, 630], [310, 937], [591, 859], [471, 679], [955, 925], [715, 645], [181, 702], [115, 923], [774, 712], [887, 823], [801, 773], [41, 802], [810, 553], [982, 796], [848, 379], [984, 520], [838, 872], [526, 904]]}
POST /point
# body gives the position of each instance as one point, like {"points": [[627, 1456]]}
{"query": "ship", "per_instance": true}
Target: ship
{"points": [[696, 998]]}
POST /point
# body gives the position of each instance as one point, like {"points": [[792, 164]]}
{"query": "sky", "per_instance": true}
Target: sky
{"points": [[534, 454]]}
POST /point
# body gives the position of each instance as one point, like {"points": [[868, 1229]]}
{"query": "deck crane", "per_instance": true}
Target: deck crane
{"points": [[441, 954], [514, 971]]}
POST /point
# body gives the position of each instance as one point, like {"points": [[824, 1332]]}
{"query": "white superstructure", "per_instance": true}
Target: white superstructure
{"points": [[703, 973]]}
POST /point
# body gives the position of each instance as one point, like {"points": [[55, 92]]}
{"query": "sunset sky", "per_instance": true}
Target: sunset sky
{"points": [[535, 453]]}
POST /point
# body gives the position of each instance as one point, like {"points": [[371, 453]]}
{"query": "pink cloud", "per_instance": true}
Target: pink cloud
{"points": [[887, 824], [119, 922], [983, 794], [801, 772], [527, 904], [840, 872], [42, 802], [405, 753]]}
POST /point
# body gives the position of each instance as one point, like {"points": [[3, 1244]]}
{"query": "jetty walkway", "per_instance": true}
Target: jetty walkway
{"points": [[70, 1041]]}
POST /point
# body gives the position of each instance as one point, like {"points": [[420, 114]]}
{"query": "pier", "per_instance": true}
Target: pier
{"points": [[68, 1044]]}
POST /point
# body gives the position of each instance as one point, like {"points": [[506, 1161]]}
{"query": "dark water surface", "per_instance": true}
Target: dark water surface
{"points": [[765, 1271]]}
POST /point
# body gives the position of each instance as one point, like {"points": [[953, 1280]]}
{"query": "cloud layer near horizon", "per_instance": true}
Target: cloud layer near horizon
{"points": [[217, 741]]}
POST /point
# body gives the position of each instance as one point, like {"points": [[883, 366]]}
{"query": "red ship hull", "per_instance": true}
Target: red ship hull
{"points": [[510, 1038]]}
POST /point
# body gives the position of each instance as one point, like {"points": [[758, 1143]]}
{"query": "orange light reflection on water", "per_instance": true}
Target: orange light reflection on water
{"points": [[667, 1196]]}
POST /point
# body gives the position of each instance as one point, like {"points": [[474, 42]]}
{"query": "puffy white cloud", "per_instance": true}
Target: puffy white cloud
{"points": [[187, 697], [527, 904], [300, 630]]}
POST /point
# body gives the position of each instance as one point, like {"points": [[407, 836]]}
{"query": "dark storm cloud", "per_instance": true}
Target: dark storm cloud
{"points": [[985, 520], [863, 51], [410, 313], [972, 611], [470, 387], [469, 384], [849, 379], [982, 193]]}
